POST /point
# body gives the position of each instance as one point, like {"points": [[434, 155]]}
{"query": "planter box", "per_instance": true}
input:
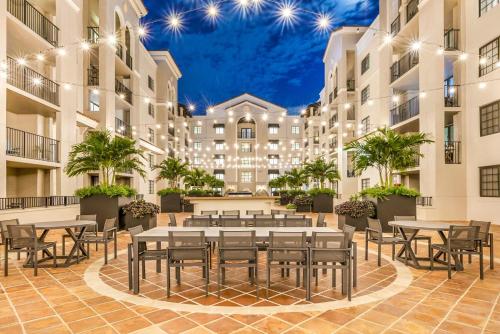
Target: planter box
{"points": [[303, 208], [359, 223], [188, 207], [104, 207], [284, 200], [394, 205], [171, 203], [147, 222], [323, 203]]}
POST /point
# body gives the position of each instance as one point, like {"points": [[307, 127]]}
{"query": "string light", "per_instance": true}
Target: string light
{"points": [[323, 22], [61, 52], [416, 45], [85, 46], [212, 12], [21, 61], [174, 22], [40, 57], [388, 39], [463, 56], [483, 60], [287, 14], [142, 31]]}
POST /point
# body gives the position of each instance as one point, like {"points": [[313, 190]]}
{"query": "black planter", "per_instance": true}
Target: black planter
{"points": [[303, 208], [323, 203], [284, 200], [188, 207], [104, 207], [359, 223], [394, 205], [171, 203], [147, 222]]}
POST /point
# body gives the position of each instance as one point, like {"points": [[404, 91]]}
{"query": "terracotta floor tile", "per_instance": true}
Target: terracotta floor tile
{"points": [[319, 326], [364, 326], [178, 325], [159, 316], [224, 325], [131, 324], [86, 324]]}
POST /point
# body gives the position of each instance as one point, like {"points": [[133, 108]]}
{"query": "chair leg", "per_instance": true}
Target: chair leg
{"points": [[115, 247], [366, 246], [168, 278], [88, 250], [129, 266], [355, 268], [54, 252], [35, 262], [297, 276], [349, 279], [6, 259], [218, 278], [268, 279], [470, 258], [449, 266], [105, 252], [379, 255], [481, 265], [64, 245], [431, 258], [143, 260], [492, 253], [256, 274], [393, 254], [416, 249]]}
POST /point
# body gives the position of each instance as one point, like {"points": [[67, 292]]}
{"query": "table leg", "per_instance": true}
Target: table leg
{"points": [[42, 238], [135, 266], [158, 262], [407, 248], [75, 238]]}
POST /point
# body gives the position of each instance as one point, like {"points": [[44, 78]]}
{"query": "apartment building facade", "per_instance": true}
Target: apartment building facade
{"points": [[428, 66], [69, 67], [246, 141]]}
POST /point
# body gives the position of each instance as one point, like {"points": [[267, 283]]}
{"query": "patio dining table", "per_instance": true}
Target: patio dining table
{"points": [[251, 219]]}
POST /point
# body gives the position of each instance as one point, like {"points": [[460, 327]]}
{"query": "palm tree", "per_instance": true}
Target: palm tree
{"points": [[278, 182], [388, 151], [99, 151], [195, 178], [321, 171], [213, 182], [172, 169], [296, 178]]}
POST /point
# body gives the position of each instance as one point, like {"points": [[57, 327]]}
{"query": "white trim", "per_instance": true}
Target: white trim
{"points": [[150, 147]]}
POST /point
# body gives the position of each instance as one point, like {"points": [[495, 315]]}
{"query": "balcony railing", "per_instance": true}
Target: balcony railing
{"points": [[350, 85], [34, 20], [93, 35], [123, 91], [411, 10], [403, 65], [424, 201], [32, 82], [451, 38], [351, 114], [171, 131], [7, 203], [396, 26], [119, 51], [123, 128], [128, 59], [93, 75], [351, 173], [31, 146], [405, 111], [452, 152], [246, 135], [335, 92], [451, 98], [93, 107]]}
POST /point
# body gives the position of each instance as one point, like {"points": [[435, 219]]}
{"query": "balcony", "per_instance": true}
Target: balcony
{"points": [[451, 38], [405, 111], [128, 59], [119, 51], [93, 35], [403, 65], [171, 131], [246, 135], [8, 203], [335, 92], [93, 75], [123, 128], [351, 173], [451, 99], [424, 201], [94, 107], [411, 10], [330, 97], [396, 26], [452, 152], [350, 85], [31, 146], [123, 91], [32, 82], [351, 114], [34, 20]]}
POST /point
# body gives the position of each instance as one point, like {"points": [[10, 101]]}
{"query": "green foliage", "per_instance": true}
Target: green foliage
{"points": [[213, 182], [168, 191], [115, 190], [195, 178], [303, 200], [356, 209], [172, 169], [291, 206], [278, 182], [295, 178], [317, 191], [321, 171], [383, 192], [141, 208]]}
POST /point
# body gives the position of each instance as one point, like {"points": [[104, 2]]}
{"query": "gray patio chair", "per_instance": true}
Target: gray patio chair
{"points": [[330, 250], [254, 212], [349, 231], [288, 250], [462, 240], [172, 221], [265, 221], [23, 238], [296, 222], [90, 230], [108, 234], [409, 231], [373, 233], [198, 221], [231, 213], [209, 212], [231, 221], [486, 238], [5, 234], [187, 249], [320, 222], [145, 254], [237, 249]]}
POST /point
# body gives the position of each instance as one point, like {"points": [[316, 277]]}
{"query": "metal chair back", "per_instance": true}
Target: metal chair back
{"points": [[134, 231], [231, 213], [320, 222], [484, 229], [4, 229], [194, 221], [109, 224], [237, 245], [209, 212], [375, 229], [22, 236], [265, 221], [187, 245], [287, 246], [172, 221], [230, 221], [296, 222], [463, 237], [254, 212], [93, 218], [349, 232], [329, 247]]}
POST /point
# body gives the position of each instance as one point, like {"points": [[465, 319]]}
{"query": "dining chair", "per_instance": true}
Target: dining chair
{"points": [[349, 231], [187, 249], [288, 250], [320, 222], [254, 212], [145, 254], [230, 221], [486, 238], [373, 233], [172, 221], [23, 238], [296, 222], [90, 230], [462, 240], [5, 234], [198, 221], [108, 234], [408, 231], [265, 221], [237, 249], [231, 213], [330, 250], [209, 212]]}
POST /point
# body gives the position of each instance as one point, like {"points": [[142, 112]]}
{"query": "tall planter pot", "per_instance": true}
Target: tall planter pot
{"points": [[303, 208], [394, 205], [359, 223], [171, 203], [147, 222], [323, 203], [104, 207]]}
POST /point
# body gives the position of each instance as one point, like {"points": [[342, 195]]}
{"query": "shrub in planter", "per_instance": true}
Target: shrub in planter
{"points": [[140, 213], [354, 213], [197, 193], [303, 203], [291, 206], [115, 190], [170, 199], [322, 199], [187, 206]]}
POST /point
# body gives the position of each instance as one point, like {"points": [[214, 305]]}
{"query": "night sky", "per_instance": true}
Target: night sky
{"points": [[253, 54]]}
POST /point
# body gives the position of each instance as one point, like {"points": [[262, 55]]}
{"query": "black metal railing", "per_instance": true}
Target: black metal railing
{"points": [[7, 203], [94, 107], [452, 152], [396, 26], [351, 173], [34, 20], [32, 82], [246, 135], [123, 91], [128, 59], [403, 65], [411, 10], [405, 111], [123, 128], [32, 146], [93, 75], [424, 201], [451, 98], [171, 131], [351, 114], [335, 92], [451, 38], [93, 35], [350, 84], [119, 51]]}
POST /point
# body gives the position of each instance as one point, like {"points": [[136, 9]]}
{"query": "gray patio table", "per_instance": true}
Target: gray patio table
{"points": [[415, 226], [160, 234], [251, 219], [70, 226]]}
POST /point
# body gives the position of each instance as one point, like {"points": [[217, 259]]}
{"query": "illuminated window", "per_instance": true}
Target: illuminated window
{"points": [[246, 177]]}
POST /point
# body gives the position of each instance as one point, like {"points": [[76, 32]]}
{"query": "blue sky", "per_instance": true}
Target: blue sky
{"points": [[253, 54]]}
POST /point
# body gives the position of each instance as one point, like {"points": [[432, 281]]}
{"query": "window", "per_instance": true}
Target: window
{"points": [[197, 145], [219, 146], [295, 146], [365, 125], [316, 150], [151, 83], [246, 133], [246, 177], [365, 64], [365, 183], [273, 159], [197, 161], [219, 174], [490, 52], [295, 129], [197, 130], [486, 5], [273, 129], [151, 186], [490, 118], [246, 147], [365, 94], [151, 159], [246, 162], [151, 135], [273, 145], [295, 161], [273, 173], [219, 159], [151, 110], [489, 181], [219, 129]]}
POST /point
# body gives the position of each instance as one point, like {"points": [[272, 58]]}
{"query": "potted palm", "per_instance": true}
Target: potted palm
{"points": [[141, 213], [321, 171], [388, 152], [278, 184], [108, 155], [295, 178], [172, 170], [303, 203], [194, 180], [215, 185]]}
